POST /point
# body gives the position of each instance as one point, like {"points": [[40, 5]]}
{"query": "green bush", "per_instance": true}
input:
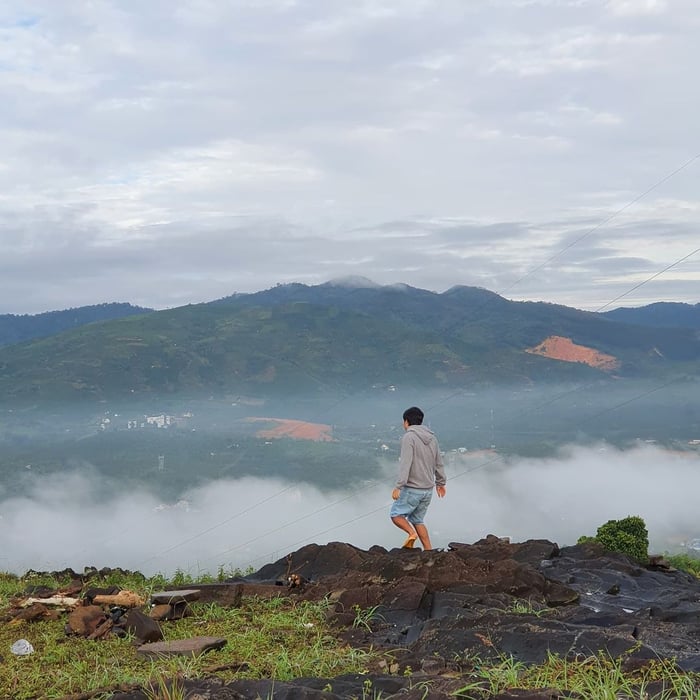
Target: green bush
{"points": [[628, 536], [684, 562]]}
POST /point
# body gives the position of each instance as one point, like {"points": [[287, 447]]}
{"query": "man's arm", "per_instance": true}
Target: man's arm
{"points": [[440, 478], [405, 461]]}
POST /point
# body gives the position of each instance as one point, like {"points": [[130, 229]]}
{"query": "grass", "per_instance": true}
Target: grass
{"points": [[685, 562], [527, 607], [275, 638], [599, 677], [365, 616], [282, 639]]}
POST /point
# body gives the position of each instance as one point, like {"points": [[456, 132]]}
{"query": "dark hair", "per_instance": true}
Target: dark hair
{"points": [[413, 415]]}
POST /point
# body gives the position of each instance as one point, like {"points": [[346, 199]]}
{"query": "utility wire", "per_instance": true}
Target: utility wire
{"points": [[602, 223], [513, 284], [649, 279], [371, 484], [470, 470]]}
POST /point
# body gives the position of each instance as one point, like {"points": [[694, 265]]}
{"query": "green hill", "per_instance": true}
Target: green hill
{"points": [[17, 328], [330, 339]]}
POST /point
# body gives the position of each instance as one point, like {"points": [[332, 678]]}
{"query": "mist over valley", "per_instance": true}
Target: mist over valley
{"points": [[225, 434]]}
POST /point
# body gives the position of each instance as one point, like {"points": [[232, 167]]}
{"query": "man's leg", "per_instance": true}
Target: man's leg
{"points": [[422, 532], [401, 522], [416, 519]]}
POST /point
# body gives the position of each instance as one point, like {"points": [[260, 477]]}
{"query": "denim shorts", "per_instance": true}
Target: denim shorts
{"points": [[412, 504]]}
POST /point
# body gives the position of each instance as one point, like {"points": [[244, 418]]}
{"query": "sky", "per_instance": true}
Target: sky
{"points": [[178, 151], [520, 499]]}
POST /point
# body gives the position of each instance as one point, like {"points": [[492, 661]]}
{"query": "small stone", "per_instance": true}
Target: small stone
{"points": [[22, 648]]}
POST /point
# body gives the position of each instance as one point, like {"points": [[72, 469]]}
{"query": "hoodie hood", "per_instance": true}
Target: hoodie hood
{"points": [[425, 434]]}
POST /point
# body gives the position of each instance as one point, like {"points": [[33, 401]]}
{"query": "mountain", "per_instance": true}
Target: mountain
{"points": [[663, 314], [339, 337], [18, 328]]}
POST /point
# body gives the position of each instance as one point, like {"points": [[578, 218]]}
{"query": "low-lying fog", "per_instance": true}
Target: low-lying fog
{"points": [[249, 522]]}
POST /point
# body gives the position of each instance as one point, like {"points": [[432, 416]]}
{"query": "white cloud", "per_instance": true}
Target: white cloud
{"points": [[126, 123], [558, 499], [629, 8]]}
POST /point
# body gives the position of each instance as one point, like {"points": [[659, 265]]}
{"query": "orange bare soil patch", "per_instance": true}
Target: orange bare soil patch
{"points": [[296, 429], [557, 348]]}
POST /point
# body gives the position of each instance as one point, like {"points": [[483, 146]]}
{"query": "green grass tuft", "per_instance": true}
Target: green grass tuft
{"points": [[277, 638]]}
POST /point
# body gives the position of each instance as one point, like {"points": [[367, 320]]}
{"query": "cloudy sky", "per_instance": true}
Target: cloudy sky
{"points": [[176, 151]]}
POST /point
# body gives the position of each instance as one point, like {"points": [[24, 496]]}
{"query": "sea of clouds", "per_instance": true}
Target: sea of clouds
{"points": [[68, 521]]}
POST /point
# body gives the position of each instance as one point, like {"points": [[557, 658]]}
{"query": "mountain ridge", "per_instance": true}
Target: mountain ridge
{"points": [[17, 328], [335, 338]]}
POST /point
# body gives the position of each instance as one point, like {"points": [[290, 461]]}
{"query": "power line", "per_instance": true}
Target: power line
{"points": [[495, 458], [377, 482], [649, 279], [218, 525], [517, 281], [602, 223]]}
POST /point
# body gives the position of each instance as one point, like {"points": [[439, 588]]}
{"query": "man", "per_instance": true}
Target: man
{"points": [[420, 468]]}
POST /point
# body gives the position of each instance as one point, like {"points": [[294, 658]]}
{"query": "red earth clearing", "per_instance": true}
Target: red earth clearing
{"points": [[296, 429], [557, 348]]}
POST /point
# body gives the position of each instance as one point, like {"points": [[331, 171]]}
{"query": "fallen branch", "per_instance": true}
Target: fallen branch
{"points": [[123, 599], [57, 601]]}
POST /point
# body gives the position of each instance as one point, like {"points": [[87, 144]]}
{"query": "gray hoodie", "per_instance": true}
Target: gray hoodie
{"points": [[420, 463]]}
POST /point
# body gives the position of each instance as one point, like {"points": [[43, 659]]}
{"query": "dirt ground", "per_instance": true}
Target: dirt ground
{"points": [[558, 348], [296, 429]]}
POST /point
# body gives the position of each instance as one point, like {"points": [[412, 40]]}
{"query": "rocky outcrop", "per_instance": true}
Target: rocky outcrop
{"points": [[493, 598], [439, 611]]}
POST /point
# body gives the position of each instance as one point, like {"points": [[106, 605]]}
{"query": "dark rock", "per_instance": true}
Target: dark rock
{"points": [[358, 597], [181, 647], [83, 621], [315, 561], [142, 627], [229, 594], [658, 561], [544, 694], [39, 592], [161, 613], [460, 599], [436, 611], [173, 605], [36, 611], [186, 595], [91, 592], [557, 594]]}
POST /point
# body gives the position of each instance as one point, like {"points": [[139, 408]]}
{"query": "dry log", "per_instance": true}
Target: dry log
{"points": [[59, 601], [123, 599]]}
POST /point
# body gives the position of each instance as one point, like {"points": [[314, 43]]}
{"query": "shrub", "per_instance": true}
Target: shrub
{"points": [[628, 536], [684, 562]]}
